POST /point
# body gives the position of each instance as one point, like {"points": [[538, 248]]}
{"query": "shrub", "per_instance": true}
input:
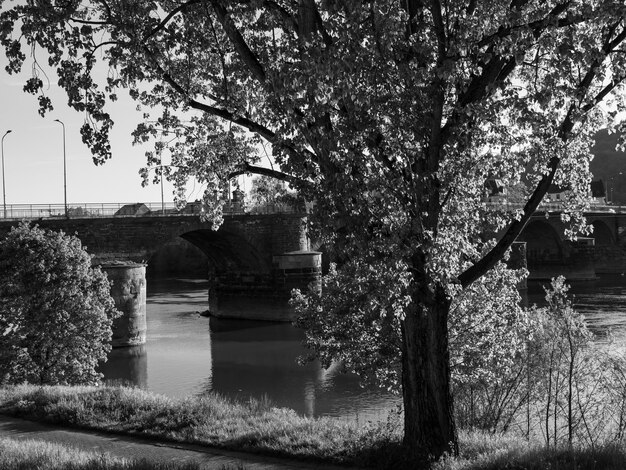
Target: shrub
{"points": [[56, 311]]}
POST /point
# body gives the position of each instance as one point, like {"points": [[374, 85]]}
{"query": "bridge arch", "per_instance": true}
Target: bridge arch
{"points": [[257, 259], [602, 234], [224, 252], [543, 243], [177, 257], [227, 250]]}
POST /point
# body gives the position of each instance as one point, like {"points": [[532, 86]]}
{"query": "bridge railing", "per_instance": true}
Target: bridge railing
{"points": [[146, 209], [553, 207]]}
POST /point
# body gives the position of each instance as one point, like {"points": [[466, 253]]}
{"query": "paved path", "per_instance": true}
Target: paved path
{"points": [[139, 448]]}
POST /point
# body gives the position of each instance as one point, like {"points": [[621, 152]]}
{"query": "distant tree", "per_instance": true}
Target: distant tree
{"points": [[267, 191], [56, 311]]}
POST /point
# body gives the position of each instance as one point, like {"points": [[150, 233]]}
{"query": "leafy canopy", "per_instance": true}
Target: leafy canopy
{"points": [[55, 309], [388, 115]]}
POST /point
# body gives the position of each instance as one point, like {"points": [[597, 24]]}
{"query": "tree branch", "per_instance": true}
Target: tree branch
{"points": [[258, 170], [169, 16], [239, 43], [98, 46], [515, 229], [488, 261], [249, 124], [328, 40], [284, 14], [89, 22], [537, 26], [602, 94], [107, 8], [411, 7], [214, 110], [497, 252]]}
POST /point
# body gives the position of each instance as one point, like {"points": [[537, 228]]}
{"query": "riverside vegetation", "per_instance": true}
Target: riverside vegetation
{"points": [[26, 455], [535, 373], [390, 115], [533, 390], [257, 427]]}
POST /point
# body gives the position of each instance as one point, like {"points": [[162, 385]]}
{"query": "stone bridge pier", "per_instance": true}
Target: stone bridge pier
{"points": [[254, 261]]}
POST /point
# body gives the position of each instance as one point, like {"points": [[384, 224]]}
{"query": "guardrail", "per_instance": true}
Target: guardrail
{"points": [[168, 209], [552, 207], [145, 209]]}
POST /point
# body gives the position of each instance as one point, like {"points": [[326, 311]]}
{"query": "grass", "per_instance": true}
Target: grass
{"points": [[253, 426], [488, 452], [34, 454], [256, 426]]}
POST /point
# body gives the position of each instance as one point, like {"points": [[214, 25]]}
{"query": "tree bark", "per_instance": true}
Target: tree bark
{"points": [[429, 428]]}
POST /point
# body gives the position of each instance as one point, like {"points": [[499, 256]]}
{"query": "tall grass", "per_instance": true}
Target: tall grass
{"points": [[253, 426], [256, 426], [486, 451], [34, 454]]}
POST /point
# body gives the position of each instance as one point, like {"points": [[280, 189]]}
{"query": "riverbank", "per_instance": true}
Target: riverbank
{"points": [[259, 428], [19, 455], [210, 420], [31, 442]]}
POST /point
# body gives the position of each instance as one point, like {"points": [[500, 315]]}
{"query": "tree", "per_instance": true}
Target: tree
{"points": [[56, 311], [266, 190], [390, 115], [271, 193]]}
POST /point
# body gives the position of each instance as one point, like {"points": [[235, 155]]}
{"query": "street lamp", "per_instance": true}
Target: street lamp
{"points": [[610, 187], [64, 172], [4, 186], [159, 171], [156, 169]]}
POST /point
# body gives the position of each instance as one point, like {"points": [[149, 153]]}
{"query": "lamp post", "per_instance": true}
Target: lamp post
{"points": [[161, 178], [4, 186], [64, 172], [159, 171], [610, 188]]}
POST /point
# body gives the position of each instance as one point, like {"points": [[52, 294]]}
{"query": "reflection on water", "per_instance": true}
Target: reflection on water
{"points": [[127, 366], [188, 354]]}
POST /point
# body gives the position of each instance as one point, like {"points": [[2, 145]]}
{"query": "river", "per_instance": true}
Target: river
{"points": [[602, 302], [188, 354]]}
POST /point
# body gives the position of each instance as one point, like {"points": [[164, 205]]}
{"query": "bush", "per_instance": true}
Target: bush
{"points": [[540, 372], [56, 311]]}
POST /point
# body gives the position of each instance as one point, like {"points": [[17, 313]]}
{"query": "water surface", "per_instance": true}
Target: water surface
{"points": [[602, 302], [188, 354]]}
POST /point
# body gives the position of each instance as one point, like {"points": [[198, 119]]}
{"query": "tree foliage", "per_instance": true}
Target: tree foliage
{"points": [[356, 317], [56, 311], [389, 114], [269, 192], [544, 375]]}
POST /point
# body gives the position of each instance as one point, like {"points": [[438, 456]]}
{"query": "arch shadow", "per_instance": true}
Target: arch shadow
{"points": [[602, 233], [543, 243]]}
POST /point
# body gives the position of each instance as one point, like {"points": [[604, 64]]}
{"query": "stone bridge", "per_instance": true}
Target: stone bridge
{"points": [[254, 260], [549, 253]]}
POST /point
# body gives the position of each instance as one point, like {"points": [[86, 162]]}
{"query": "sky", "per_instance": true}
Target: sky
{"points": [[33, 151]]}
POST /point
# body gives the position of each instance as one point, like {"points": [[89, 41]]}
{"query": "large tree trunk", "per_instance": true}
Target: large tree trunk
{"points": [[429, 428]]}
